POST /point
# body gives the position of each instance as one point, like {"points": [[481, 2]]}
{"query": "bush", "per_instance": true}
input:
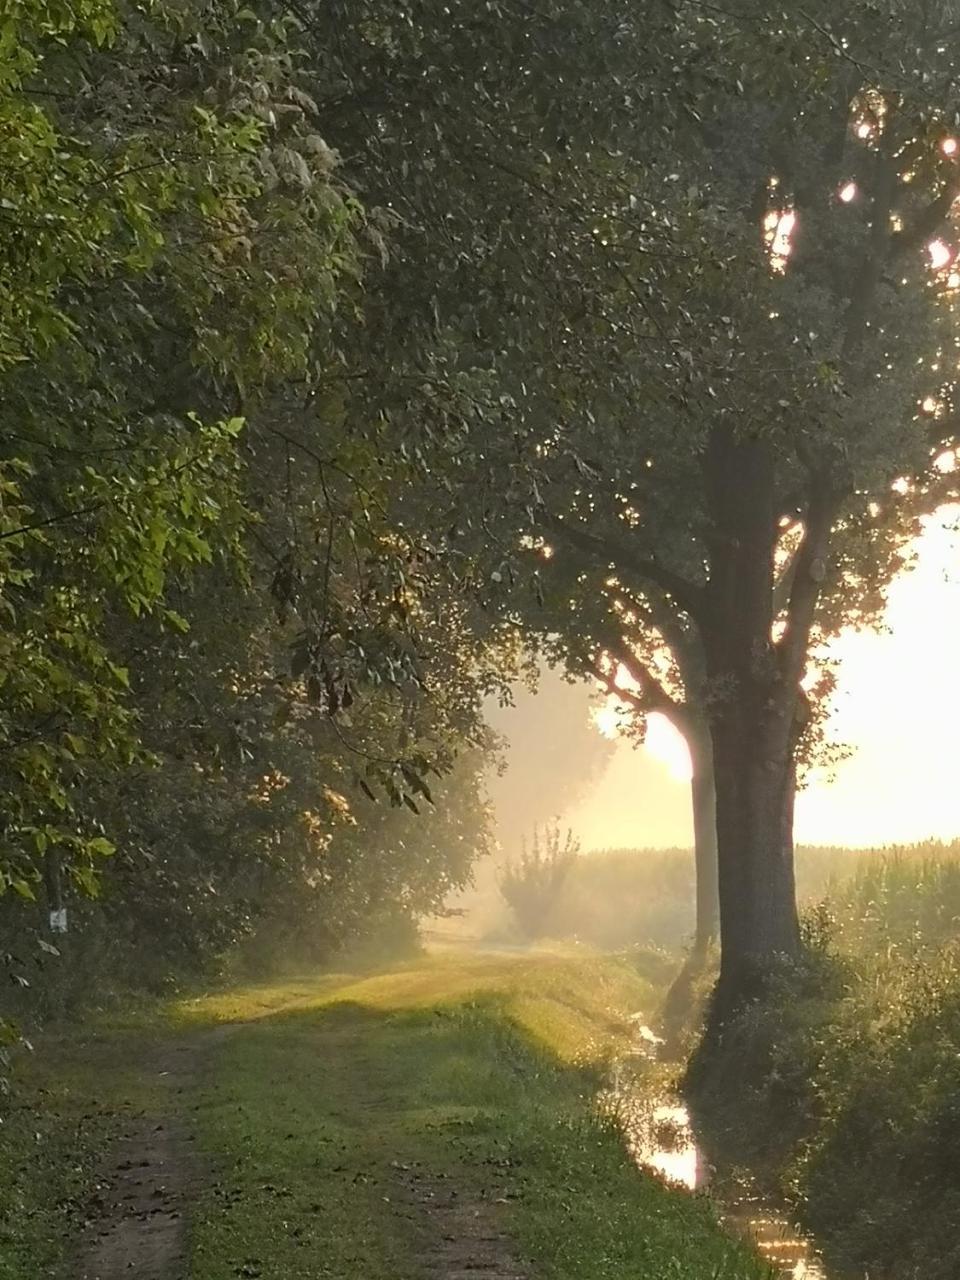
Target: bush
{"points": [[532, 884]]}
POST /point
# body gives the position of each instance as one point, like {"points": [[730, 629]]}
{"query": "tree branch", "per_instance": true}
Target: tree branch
{"points": [[926, 224], [784, 584], [807, 582], [612, 551], [653, 696], [876, 255]]}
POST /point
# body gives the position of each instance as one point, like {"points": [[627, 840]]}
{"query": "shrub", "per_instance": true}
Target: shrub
{"points": [[532, 884], [840, 1087]]}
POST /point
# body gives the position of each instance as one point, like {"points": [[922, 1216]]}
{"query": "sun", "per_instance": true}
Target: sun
{"points": [[607, 718], [666, 744], [662, 741]]}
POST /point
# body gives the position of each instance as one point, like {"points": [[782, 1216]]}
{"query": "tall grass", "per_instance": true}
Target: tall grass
{"points": [[903, 897]]}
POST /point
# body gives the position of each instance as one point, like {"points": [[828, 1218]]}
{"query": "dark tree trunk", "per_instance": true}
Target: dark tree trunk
{"points": [[758, 911], [756, 699], [704, 800]]}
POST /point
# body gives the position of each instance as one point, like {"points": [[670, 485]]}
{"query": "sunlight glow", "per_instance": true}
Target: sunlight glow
{"points": [[661, 740], [607, 718], [780, 239], [665, 744], [896, 706], [941, 255]]}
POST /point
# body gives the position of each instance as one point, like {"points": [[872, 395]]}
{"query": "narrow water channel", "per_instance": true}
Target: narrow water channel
{"points": [[661, 1138]]}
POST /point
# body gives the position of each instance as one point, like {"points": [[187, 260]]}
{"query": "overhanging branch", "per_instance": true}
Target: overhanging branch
{"points": [[612, 551], [649, 694]]}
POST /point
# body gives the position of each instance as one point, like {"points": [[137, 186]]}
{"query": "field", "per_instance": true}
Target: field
{"points": [[615, 898]]}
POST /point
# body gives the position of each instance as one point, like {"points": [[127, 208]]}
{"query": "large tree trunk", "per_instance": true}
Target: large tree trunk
{"points": [[758, 911], [753, 719], [704, 800]]}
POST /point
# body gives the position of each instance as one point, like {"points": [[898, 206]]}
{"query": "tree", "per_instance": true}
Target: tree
{"points": [[748, 311], [145, 219], [221, 634], [513, 304], [811, 432]]}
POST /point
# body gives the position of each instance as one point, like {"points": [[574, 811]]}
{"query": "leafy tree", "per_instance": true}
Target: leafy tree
{"points": [[219, 636], [679, 354], [161, 169], [651, 361], [790, 469]]}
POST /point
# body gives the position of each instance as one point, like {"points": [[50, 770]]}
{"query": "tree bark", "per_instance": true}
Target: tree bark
{"points": [[704, 801], [758, 912], [755, 686]]}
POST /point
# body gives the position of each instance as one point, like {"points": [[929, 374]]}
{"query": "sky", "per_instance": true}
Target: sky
{"points": [[897, 706]]}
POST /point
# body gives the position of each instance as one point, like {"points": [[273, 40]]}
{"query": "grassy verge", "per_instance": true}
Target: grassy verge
{"points": [[475, 1073], [70, 1103]]}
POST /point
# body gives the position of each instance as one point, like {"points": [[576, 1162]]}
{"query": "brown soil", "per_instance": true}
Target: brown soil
{"points": [[136, 1222], [459, 1236]]}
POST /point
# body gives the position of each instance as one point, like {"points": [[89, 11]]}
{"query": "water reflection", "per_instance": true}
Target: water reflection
{"points": [[660, 1138]]}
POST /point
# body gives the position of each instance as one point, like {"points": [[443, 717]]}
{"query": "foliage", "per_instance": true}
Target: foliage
{"points": [[229, 653], [845, 1074], [532, 883], [616, 898], [143, 225], [728, 405]]}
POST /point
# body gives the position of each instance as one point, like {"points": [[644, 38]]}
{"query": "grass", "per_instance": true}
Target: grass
{"points": [[574, 1006], [476, 1072], [72, 1099], [479, 1072]]}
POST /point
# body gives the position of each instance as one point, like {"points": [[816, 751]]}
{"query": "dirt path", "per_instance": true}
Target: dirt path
{"points": [[459, 1236], [136, 1223]]}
